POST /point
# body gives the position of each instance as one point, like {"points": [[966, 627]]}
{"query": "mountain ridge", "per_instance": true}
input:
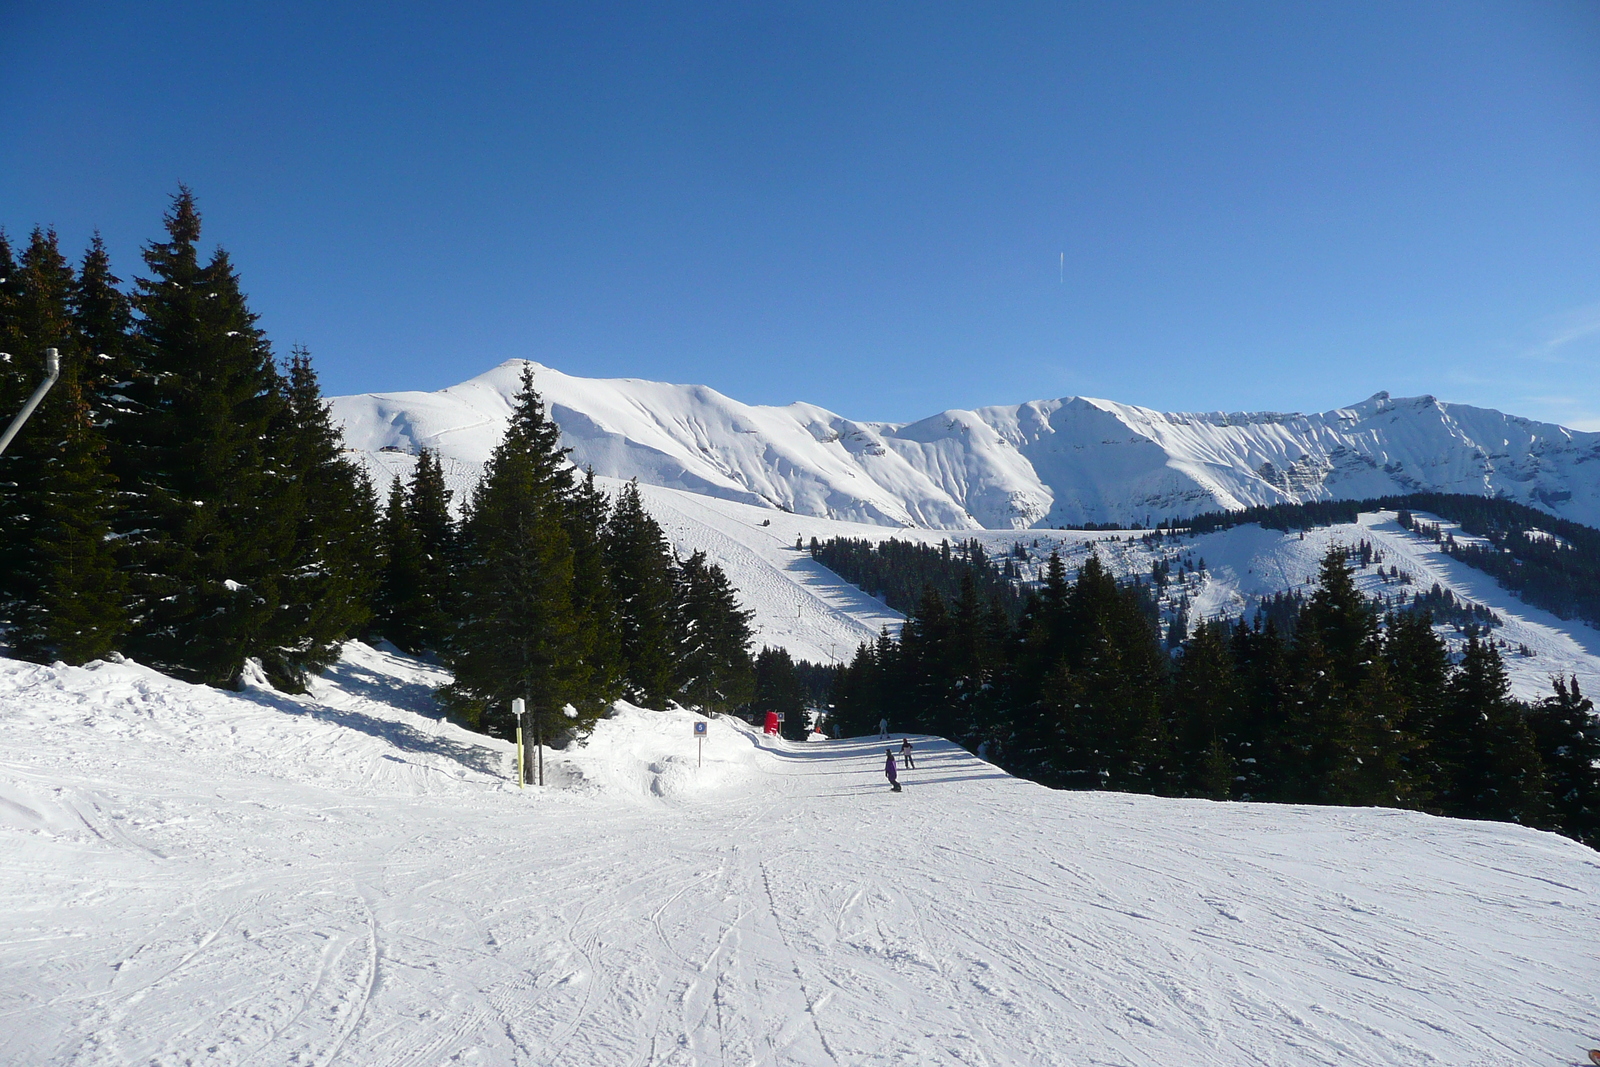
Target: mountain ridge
{"points": [[1042, 463]]}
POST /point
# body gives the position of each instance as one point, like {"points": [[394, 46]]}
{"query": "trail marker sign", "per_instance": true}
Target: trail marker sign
{"points": [[519, 708], [700, 744]]}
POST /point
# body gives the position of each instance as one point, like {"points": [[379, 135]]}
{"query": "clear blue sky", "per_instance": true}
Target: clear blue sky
{"points": [[1261, 206]]}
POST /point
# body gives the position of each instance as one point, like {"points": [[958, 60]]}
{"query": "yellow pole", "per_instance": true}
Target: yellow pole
{"points": [[520, 774]]}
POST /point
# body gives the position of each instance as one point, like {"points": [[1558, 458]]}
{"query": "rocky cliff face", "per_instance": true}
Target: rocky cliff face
{"points": [[1043, 463]]}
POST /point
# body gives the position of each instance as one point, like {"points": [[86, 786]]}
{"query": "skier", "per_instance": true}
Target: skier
{"points": [[905, 753], [889, 770], [883, 729]]}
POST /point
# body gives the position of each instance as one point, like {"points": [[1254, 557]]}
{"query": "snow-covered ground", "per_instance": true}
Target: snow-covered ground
{"points": [[193, 876]]}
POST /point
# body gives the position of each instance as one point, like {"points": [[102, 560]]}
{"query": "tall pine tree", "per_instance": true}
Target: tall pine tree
{"points": [[210, 511], [402, 606], [712, 657], [328, 580], [640, 563], [1568, 737], [61, 584], [516, 633]]}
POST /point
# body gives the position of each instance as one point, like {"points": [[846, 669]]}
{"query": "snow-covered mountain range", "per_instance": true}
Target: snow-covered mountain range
{"points": [[1043, 463]]}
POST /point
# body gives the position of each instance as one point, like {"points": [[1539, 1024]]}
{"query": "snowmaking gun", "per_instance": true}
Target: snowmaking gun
{"points": [[52, 367]]}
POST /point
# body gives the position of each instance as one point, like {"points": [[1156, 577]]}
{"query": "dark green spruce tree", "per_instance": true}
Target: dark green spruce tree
{"points": [[1204, 719], [15, 368], [62, 585], [210, 511], [517, 634], [103, 316], [328, 580], [401, 604], [593, 598], [1419, 663], [1567, 734], [641, 564], [712, 657], [778, 688], [428, 505], [1498, 771]]}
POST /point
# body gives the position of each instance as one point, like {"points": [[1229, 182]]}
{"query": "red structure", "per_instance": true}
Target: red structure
{"points": [[772, 722]]}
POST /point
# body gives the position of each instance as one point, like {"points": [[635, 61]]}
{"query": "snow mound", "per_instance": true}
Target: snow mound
{"points": [[638, 754]]}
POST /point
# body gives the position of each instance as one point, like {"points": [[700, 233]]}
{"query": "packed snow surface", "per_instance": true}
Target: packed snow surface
{"points": [[194, 876], [1044, 463]]}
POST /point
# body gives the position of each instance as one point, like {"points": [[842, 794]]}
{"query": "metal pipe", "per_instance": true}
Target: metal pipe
{"points": [[52, 367]]}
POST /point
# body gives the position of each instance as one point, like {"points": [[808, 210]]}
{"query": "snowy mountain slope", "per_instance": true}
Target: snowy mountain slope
{"points": [[1043, 463], [802, 606], [1247, 563], [197, 876]]}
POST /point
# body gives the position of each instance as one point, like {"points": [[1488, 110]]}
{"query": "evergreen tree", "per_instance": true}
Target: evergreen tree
{"points": [[1266, 745], [778, 688], [402, 606], [438, 544], [75, 609], [1567, 734], [516, 634], [1499, 774], [103, 317], [593, 598], [1347, 713], [61, 588], [1419, 664], [713, 648], [15, 367], [328, 580], [1122, 671], [1205, 709], [927, 649], [209, 514], [1384, 749], [640, 563], [428, 504]]}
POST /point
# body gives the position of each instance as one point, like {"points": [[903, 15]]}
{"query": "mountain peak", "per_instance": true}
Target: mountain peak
{"points": [[1062, 462]]}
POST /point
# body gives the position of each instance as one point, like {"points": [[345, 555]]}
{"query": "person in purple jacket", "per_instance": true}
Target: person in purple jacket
{"points": [[890, 771]]}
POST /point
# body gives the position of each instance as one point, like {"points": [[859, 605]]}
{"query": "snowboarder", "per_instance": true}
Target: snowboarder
{"points": [[905, 754], [889, 770], [883, 729]]}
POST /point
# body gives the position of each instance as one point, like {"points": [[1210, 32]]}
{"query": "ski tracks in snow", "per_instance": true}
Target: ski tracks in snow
{"points": [[790, 912]]}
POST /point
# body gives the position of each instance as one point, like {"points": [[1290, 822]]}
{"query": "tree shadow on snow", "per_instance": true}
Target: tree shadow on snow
{"points": [[403, 736], [382, 688]]}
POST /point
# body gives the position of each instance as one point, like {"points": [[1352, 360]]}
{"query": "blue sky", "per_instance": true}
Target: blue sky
{"points": [[886, 209]]}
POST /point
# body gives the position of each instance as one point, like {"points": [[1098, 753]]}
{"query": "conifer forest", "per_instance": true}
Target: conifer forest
{"points": [[181, 498], [1326, 699]]}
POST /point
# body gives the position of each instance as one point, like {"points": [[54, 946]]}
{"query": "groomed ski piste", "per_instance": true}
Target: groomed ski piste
{"points": [[200, 877]]}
